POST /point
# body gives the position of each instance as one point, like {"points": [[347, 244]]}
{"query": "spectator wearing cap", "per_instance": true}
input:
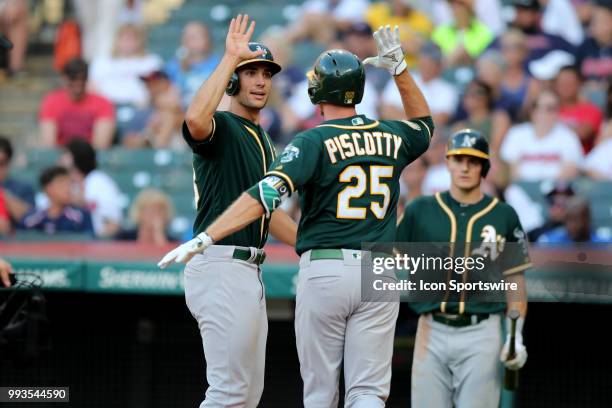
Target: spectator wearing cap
{"points": [[582, 116], [92, 188], [18, 196], [527, 19], [576, 226], [194, 61], [544, 148], [117, 77], [73, 112], [60, 216], [557, 193], [595, 54], [414, 26], [440, 94], [159, 125], [466, 38], [151, 214]]}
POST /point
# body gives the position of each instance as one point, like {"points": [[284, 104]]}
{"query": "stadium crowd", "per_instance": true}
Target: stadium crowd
{"points": [[534, 76]]}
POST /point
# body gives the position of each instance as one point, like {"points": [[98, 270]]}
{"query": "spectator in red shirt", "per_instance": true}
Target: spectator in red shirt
{"points": [[581, 115], [72, 112], [5, 223]]}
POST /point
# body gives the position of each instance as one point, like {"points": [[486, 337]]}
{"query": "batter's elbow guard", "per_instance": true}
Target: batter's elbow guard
{"points": [[270, 192]]}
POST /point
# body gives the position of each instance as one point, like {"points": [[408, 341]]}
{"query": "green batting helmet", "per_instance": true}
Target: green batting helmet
{"points": [[470, 142], [233, 87], [338, 78]]}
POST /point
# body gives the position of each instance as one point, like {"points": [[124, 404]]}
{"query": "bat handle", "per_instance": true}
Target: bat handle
{"points": [[511, 376]]}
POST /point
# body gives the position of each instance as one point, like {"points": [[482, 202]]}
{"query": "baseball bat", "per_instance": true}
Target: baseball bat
{"points": [[511, 377]]}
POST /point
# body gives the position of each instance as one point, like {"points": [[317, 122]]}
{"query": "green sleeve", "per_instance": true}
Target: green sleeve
{"points": [[517, 254], [416, 134], [219, 133], [298, 163]]}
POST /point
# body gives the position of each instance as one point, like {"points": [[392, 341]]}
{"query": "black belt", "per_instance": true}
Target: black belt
{"points": [[244, 254], [459, 320]]}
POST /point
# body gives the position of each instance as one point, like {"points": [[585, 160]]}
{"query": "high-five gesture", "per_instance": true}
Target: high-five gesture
{"points": [[238, 37], [390, 54]]}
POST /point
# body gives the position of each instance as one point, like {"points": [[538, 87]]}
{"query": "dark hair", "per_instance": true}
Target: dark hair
{"points": [[75, 68], [51, 173], [83, 155], [487, 90], [571, 68], [6, 147]]}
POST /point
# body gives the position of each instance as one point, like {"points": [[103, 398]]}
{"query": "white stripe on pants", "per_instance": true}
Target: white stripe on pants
{"points": [[227, 299], [332, 323]]}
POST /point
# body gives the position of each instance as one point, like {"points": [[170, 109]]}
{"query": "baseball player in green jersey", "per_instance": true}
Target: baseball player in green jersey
{"points": [[346, 171], [223, 287], [458, 343]]}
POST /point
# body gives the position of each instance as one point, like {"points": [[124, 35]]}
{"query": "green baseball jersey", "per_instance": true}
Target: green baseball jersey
{"points": [[440, 218], [347, 172], [233, 158]]}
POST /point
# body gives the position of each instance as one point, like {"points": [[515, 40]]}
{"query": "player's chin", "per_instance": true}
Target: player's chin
{"points": [[467, 184], [257, 101]]}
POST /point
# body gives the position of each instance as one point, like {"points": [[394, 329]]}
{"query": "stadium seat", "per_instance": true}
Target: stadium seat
{"points": [[41, 158]]}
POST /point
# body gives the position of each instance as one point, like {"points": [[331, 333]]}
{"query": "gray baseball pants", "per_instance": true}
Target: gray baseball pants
{"points": [[332, 324], [456, 366], [226, 296]]}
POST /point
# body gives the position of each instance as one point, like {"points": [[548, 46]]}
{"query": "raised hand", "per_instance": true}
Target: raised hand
{"points": [[238, 37], [390, 54]]}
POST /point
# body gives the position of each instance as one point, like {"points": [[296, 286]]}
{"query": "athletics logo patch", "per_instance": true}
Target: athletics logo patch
{"points": [[468, 141], [290, 153]]}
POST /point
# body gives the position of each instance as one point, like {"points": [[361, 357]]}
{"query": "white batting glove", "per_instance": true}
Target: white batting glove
{"points": [[390, 54], [521, 351], [183, 253]]}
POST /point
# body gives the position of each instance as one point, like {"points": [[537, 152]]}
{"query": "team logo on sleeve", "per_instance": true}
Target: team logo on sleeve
{"points": [[290, 153]]}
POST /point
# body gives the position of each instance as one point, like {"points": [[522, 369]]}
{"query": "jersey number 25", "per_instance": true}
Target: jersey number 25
{"points": [[377, 187]]}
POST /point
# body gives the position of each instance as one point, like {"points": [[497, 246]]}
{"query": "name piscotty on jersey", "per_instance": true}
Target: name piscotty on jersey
{"points": [[347, 173], [348, 145]]}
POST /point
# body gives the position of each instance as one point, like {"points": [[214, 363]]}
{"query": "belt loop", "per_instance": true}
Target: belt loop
{"points": [[253, 252], [474, 319]]}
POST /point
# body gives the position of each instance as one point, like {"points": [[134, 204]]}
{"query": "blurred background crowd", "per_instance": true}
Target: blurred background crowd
{"points": [[92, 97]]}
